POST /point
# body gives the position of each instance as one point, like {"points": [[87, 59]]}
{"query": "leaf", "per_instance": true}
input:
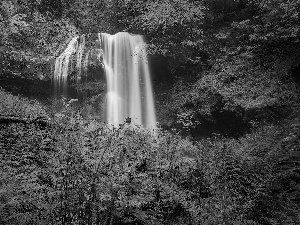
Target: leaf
{"points": [[17, 23]]}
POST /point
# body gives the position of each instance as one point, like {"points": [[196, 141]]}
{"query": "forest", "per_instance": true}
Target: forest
{"points": [[226, 81]]}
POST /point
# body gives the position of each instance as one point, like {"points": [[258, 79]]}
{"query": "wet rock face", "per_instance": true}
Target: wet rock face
{"points": [[85, 71]]}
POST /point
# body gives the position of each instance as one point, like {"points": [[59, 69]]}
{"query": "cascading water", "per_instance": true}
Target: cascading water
{"points": [[128, 84]]}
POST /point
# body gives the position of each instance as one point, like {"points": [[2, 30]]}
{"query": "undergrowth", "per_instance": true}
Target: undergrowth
{"points": [[78, 171]]}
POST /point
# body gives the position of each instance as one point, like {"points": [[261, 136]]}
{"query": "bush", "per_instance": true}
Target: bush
{"points": [[16, 106], [80, 171]]}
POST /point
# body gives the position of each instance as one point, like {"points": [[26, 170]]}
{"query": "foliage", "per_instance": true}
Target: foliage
{"points": [[237, 89], [29, 39], [251, 53], [79, 171], [249, 173], [92, 173], [90, 16], [174, 25], [14, 106], [274, 21], [241, 83], [76, 170], [172, 28]]}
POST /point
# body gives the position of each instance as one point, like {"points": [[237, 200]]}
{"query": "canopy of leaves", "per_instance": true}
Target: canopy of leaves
{"points": [[29, 39], [252, 47]]}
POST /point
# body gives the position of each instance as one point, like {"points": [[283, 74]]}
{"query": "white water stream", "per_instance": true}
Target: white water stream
{"points": [[128, 81]]}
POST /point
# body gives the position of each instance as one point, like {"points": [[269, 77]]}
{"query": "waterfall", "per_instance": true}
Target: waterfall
{"points": [[128, 80]]}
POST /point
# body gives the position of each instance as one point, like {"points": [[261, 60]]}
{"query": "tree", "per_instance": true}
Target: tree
{"points": [[29, 38]]}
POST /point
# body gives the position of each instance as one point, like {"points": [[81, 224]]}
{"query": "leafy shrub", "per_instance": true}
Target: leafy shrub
{"points": [[79, 171], [254, 178], [15, 106]]}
